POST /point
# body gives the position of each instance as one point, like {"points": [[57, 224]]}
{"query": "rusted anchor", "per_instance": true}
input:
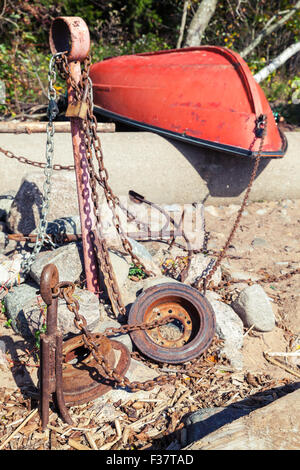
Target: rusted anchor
{"points": [[69, 372], [51, 351]]}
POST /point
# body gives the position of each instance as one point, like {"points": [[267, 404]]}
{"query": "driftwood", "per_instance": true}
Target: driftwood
{"points": [[273, 427], [30, 127]]}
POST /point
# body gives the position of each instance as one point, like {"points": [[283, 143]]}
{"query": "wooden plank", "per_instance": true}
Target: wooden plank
{"points": [[32, 127]]}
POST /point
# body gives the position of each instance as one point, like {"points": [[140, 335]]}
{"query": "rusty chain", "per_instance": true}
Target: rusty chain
{"points": [[94, 149], [261, 127], [42, 165], [65, 291]]}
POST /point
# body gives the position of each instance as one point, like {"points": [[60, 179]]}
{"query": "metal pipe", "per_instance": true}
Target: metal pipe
{"points": [[71, 34]]}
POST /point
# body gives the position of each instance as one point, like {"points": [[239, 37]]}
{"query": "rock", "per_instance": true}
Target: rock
{"points": [[120, 266], [69, 225], [144, 256], [3, 241], [204, 421], [154, 281], [110, 323], [3, 227], [258, 242], [25, 211], [212, 210], [10, 268], [275, 426], [4, 364], [6, 201], [261, 211], [68, 259], [17, 302], [229, 327], [254, 308], [237, 275], [28, 311], [137, 372], [199, 262], [231, 209], [130, 290]]}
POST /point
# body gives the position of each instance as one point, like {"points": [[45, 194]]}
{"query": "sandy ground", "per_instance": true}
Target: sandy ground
{"points": [[266, 244]]}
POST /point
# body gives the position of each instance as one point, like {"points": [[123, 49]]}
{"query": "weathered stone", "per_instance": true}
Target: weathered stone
{"points": [[68, 259], [259, 242], [132, 289], [25, 211], [18, 301], [137, 372], [3, 241], [254, 308], [235, 274], [207, 420], [6, 201], [271, 427], [28, 311], [10, 268], [111, 323], [144, 256], [154, 281], [212, 210], [3, 227], [198, 263], [120, 266], [229, 327], [69, 225]]}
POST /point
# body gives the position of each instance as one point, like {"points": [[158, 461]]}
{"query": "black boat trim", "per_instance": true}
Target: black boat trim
{"points": [[230, 149]]}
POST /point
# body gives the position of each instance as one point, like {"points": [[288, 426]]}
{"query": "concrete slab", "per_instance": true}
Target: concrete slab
{"points": [[165, 171]]}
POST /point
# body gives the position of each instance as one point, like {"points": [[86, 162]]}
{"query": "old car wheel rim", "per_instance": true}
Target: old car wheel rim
{"points": [[190, 330]]}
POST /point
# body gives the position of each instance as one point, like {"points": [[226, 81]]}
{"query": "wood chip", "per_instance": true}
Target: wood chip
{"points": [[77, 445], [33, 413], [91, 441]]}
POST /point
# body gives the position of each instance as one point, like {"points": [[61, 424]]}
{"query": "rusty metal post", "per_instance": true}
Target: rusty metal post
{"points": [[71, 34]]}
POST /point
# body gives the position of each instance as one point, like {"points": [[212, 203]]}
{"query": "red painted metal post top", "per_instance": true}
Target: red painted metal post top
{"points": [[70, 34]]}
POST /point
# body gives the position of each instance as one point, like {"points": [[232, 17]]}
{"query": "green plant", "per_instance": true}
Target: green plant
{"points": [[136, 272], [37, 335], [8, 323]]}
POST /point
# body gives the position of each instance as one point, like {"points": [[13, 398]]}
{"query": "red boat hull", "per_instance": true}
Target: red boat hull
{"points": [[205, 95]]}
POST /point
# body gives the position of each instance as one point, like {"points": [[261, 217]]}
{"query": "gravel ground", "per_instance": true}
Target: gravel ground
{"points": [[266, 244]]}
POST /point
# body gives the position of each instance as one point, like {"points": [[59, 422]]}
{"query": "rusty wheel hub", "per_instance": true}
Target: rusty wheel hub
{"points": [[83, 378], [189, 331]]}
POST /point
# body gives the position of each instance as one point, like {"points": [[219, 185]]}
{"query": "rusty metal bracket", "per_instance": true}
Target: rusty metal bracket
{"points": [[51, 351]]}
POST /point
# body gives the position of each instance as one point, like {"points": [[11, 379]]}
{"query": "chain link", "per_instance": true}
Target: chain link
{"points": [[99, 176], [65, 290], [56, 166], [206, 275], [48, 170]]}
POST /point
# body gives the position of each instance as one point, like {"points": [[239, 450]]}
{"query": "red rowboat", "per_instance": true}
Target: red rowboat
{"points": [[202, 95]]}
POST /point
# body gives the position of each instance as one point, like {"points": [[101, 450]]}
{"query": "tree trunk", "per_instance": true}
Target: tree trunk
{"points": [[183, 23], [269, 28], [273, 427], [200, 22], [277, 62]]}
